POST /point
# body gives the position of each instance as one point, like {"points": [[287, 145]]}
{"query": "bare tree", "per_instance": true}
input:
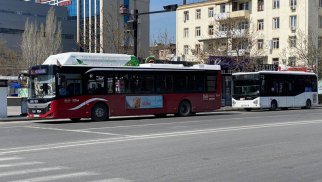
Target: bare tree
{"points": [[117, 37], [9, 61], [163, 43], [235, 38], [303, 47], [39, 43]]}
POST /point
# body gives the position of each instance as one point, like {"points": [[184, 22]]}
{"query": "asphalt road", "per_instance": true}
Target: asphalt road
{"points": [[221, 146]]}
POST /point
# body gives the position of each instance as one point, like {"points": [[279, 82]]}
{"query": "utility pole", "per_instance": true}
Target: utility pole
{"points": [[133, 24]]}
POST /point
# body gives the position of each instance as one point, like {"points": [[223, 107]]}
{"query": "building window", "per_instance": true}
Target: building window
{"points": [[293, 4], [243, 25], [243, 6], [260, 5], [198, 31], [276, 23], [197, 47], [320, 21], [223, 27], [275, 61], [291, 61], [276, 43], [222, 8], [293, 22], [198, 14], [210, 46], [319, 42], [260, 44], [260, 24], [292, 41], [320, 3], [276, 4], [186, 49], [186, 15], [186, 32], [211, 30], [211, 12]]}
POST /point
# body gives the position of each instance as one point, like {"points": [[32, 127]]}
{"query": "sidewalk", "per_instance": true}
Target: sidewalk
{"points": [[14, 114]]}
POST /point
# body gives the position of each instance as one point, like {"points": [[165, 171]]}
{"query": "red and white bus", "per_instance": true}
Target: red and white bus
{"points": [[63, 88]]}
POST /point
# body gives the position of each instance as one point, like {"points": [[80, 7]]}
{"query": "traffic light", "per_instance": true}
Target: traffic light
{"points": [[171, 7]]}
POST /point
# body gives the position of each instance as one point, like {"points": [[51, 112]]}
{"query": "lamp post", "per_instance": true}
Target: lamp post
{"points": [[133, 24]]}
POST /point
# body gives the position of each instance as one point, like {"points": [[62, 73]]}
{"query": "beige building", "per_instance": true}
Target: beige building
{"points": [[273, 28]]}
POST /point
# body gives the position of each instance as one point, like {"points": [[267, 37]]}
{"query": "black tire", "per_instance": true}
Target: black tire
{"points": [[248, 109], [273, 105], [184, 109], [75, 119], [308, 104], [99, 112], [160, 115]]}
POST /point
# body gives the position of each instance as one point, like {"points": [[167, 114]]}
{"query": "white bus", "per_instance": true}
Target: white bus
{"points": [[274, 89]]}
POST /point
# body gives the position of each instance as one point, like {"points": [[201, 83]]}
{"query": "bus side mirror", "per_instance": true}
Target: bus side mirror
{"points": [[59, 81]]}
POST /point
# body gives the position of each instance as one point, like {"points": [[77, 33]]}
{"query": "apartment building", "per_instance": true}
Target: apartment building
{"points": [[276, 26]]}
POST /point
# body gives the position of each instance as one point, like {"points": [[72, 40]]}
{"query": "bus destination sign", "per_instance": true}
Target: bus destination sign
{"points": [[38, 71]]}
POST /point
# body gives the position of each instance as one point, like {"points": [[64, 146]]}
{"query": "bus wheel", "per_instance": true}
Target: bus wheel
{"points": [[75, 119], [99, 112], [273, 105], [308, 104], [184, 108], [248, 109]]}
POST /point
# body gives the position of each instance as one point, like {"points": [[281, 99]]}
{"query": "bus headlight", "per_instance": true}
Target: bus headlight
{"points": [[255, 102], [234, 102], [49, 107]]}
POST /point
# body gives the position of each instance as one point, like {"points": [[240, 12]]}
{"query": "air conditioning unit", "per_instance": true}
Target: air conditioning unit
{"points": [[293, 7]]}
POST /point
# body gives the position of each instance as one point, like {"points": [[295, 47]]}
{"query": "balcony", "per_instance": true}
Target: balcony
{"points": [[240, 14]]}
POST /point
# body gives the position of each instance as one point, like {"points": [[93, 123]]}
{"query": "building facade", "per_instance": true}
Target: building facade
{"points": [[276, 29], [102, 28], [13, 16]]}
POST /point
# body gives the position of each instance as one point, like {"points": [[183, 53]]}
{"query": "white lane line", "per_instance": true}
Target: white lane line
{"points": [[150, 136], [19, 164], [187, 122], [58, 177], [10, 158], [28, 171], [79, 131], [113, 180]]}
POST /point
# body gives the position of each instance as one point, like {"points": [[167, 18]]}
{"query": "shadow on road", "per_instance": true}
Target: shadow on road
{"points": [[136, 118]]}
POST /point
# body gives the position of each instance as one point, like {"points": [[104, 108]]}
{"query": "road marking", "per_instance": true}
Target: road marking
{"points": [[113, 180], [149, 136], [57, 177], [28, 171], [10, 158], [187, 122], [80, 131], [19, 164]]}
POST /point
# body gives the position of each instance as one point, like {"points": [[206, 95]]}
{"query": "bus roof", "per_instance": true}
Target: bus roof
{"points": [[87, 59], [276, 72], [181, 66]]}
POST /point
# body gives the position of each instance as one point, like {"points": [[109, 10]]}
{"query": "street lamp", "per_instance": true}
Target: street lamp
{"points": [[133, 24]]}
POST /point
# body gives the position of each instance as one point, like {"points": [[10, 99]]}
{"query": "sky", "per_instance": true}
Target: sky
{"points": [[164, 22]]}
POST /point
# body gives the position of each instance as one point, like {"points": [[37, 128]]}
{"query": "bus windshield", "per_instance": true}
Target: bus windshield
{"points": [[42, 86], [246, 85]]}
